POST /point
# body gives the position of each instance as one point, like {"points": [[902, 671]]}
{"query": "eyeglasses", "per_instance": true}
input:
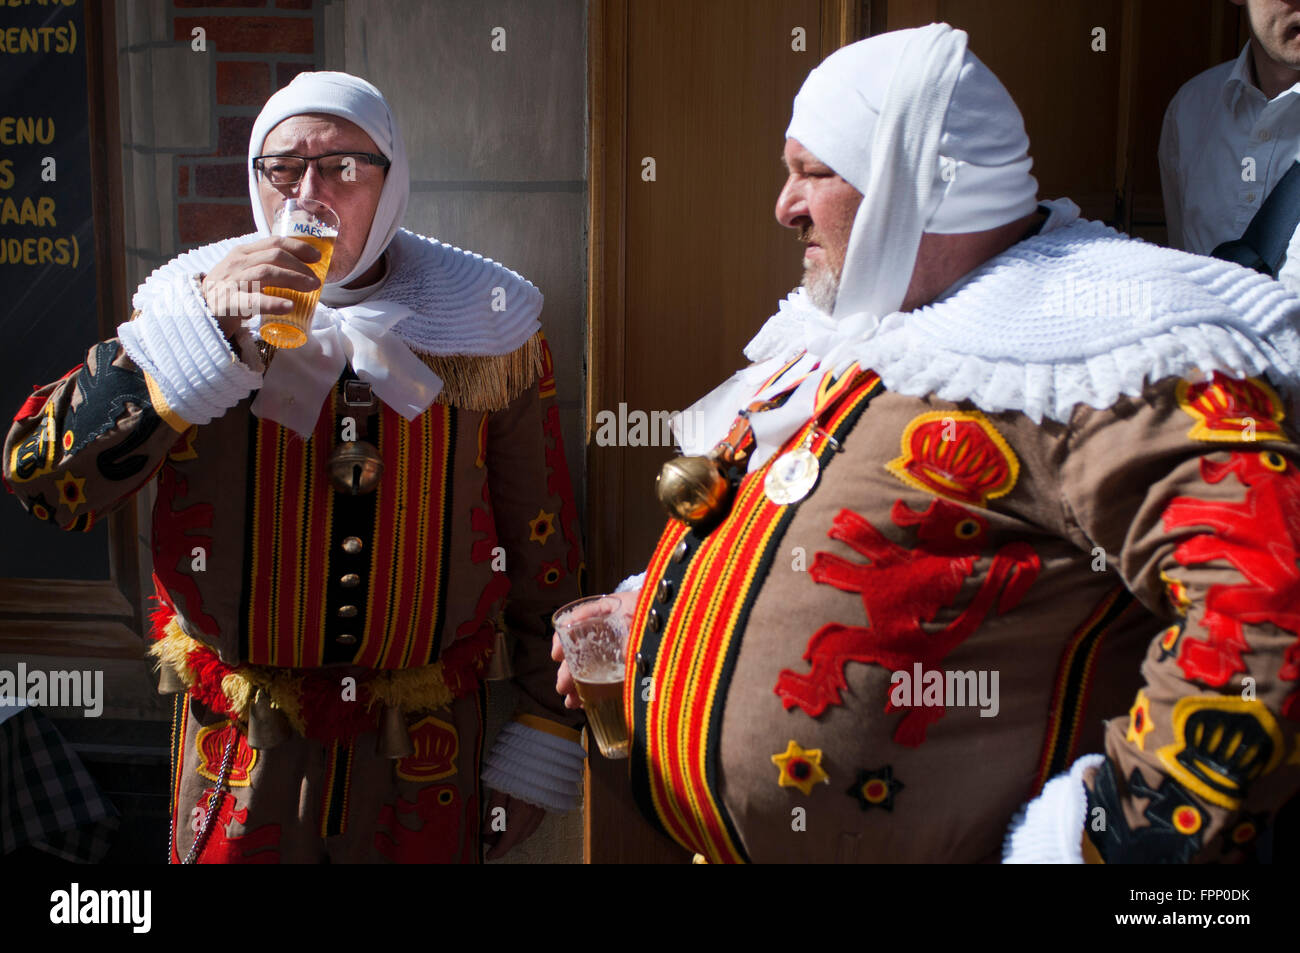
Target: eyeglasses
{"points": [[333, 166]]}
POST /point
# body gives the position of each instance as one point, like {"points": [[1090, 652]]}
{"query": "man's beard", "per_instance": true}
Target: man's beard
{"points": [[822, 287]]}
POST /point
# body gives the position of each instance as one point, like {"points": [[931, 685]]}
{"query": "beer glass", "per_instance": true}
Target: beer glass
{"points": [[316, 224], [593, 633]]}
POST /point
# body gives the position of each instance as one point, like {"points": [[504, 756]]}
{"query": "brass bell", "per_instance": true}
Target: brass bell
{"points": [[394, 739], [169, 682], [267, 725], [693, 489], [498, 667], [355, 467]]}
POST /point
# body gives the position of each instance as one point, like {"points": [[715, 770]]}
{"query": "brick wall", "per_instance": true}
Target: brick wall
{"points": [[258, 46]]}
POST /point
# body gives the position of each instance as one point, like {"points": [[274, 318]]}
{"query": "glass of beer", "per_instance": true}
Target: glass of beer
{"points": [[316, 224], [593, 633]]}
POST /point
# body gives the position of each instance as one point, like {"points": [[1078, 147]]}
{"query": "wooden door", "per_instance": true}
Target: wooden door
{"points": [[684, 266]]}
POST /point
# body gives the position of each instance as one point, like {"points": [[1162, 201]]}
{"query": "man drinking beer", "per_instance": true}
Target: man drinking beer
{"points": [[345, 530]]}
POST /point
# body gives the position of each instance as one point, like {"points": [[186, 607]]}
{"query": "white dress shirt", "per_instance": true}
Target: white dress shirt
{"points": [[1214, 124]]}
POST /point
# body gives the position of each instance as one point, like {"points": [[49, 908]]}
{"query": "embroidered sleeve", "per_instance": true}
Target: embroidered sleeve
{"points": [[81, 446], [537, 524], [1192, 492]]}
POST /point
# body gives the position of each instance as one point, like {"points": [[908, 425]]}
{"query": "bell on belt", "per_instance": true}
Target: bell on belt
{"points": [[694, 489], [498, 667], [267, 725], [169, 683], [394, 739], [355, 467]]}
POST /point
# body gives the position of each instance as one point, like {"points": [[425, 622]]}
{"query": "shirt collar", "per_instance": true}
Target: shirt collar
{"points": [[1239, 83], [1238, 80]]}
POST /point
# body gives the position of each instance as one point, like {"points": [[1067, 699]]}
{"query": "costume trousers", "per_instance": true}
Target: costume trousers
{"points": [[307, 801]]}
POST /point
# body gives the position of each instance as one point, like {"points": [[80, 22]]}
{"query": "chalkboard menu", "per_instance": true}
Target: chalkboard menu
{"points": [[48, 300]]}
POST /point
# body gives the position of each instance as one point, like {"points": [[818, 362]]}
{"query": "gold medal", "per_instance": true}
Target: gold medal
{"points": [[792, 475]]}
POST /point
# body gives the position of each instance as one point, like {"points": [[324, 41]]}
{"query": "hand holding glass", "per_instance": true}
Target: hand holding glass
{"points": [[316, 224], [593, 634]]}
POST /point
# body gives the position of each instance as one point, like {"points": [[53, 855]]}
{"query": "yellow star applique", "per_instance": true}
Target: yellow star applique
{"points": [[541, 527], [71, 492], [800, 768], [1139, 721]]}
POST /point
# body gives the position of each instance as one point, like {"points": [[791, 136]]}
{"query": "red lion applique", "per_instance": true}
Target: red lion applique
{"points": [[252, 847], [1259, 538], [901, 589], [174, 538], [438, 839]]}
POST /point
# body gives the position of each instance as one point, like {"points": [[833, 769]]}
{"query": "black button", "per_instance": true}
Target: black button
{"points": [[350, 581], [680, 552], [347, 612], [665, 591], [640, 663], [347, 638], [656, 622]]}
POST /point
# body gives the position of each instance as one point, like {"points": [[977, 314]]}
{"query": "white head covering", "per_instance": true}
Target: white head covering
{"points": [[354, 99], [928, 135]]}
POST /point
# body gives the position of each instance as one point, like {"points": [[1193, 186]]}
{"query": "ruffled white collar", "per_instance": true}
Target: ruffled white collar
{"points": [[435, 299], [1076, 314]]}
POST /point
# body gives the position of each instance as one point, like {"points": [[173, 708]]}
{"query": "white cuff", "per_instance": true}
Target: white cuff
{"points": [[631, 584], [178, 343], [1050, 828], [535, 767]]}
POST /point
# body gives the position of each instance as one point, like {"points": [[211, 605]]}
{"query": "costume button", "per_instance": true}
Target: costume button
{"points": [[665, 590], [352, 545], [1250, 196], [346, 638], [350, 581], [680, 552], [347, 612], [641, 665], [1265, 135], [655, 621]]}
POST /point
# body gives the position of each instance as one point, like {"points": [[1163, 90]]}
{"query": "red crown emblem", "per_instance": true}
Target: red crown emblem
{"points": [[1232, 410], [956, 455], [436, 747], [211, 746]]}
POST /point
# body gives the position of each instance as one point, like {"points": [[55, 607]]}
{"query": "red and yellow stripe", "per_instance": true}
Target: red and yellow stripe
{"points": [[292, 518], [404, 591], [700, 636], [292, 507], [1073, 685]]}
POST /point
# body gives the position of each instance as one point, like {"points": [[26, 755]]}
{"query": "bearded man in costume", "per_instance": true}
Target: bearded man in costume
{"points": [[344, 532], [996, 473]]}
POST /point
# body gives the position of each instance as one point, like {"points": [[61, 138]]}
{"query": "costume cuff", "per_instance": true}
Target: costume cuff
{"points": [[536, 766], [1050, 828], [178, 344], [631, 583]]}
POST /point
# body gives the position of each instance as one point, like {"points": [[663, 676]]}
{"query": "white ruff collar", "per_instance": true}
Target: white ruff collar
{"points": [[1076, 314], [436, 299]]}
